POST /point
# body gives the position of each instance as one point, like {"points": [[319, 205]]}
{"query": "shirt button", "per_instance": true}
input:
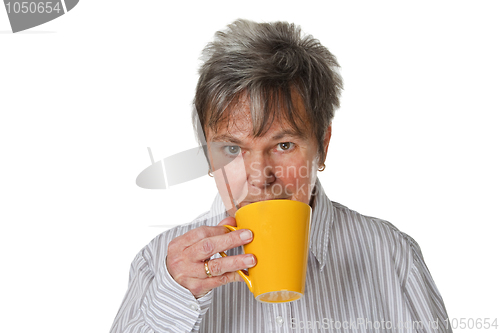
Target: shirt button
{"points": [[279, 320], [194, 306]]}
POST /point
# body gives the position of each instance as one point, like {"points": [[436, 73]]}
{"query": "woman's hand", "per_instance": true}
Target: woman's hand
{"points": [[187, 253]]}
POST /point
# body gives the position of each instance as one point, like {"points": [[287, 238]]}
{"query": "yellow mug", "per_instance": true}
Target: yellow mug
{"points": [[280, 244]]}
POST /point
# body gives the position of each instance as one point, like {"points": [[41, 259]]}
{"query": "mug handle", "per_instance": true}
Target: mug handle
{"points": [[243, 275]]}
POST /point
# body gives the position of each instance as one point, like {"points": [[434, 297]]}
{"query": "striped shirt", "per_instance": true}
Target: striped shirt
{"points": [[363, 275]]}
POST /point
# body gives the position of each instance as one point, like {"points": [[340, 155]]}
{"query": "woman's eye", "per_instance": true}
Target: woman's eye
{"points": [[285, 146], [232, 150]]}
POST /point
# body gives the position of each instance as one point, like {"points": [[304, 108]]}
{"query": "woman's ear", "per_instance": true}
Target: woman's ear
{"points": [[326, 140]]}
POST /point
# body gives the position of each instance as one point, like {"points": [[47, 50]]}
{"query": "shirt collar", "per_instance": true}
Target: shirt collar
{"points": [[321, 221]]}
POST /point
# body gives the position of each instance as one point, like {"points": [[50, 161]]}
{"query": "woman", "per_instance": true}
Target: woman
{"points": [[265, 101]]}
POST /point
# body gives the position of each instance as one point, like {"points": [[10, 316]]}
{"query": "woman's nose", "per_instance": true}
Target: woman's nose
{"points": [[260, 173]]}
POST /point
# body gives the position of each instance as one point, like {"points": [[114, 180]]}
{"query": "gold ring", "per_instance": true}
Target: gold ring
{"points": [[206, 268]]}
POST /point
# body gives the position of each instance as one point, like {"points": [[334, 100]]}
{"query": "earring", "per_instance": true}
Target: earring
{"points": [[210, 173], [321, 168]]}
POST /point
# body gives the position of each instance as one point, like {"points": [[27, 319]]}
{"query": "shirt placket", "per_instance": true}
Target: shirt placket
{"points": [[277, 317]]}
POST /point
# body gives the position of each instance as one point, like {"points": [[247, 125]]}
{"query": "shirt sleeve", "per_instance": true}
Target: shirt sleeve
{"points": [[155, 302], [422, 296]]}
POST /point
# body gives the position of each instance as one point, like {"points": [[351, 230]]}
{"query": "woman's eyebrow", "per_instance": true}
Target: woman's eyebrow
{"points": [[289, 133], [226, 138]]}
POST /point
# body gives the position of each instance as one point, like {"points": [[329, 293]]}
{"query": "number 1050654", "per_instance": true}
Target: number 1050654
{"points": [[33, 7]]}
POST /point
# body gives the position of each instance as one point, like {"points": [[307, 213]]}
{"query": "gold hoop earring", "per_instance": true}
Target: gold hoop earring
{"points": [[321, 168], [210, 173]]}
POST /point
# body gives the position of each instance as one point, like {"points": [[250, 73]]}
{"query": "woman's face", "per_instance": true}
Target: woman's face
{"points": [[281, 164]]}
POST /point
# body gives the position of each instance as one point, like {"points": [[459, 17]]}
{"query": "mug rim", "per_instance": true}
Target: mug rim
{"points": [[264, 202]]}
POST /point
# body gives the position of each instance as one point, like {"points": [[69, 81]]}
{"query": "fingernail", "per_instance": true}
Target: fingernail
{"points": [[249, 261], [246, 235]]}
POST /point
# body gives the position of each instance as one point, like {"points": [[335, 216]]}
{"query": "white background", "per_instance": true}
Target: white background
{"points": [[82, 97]]}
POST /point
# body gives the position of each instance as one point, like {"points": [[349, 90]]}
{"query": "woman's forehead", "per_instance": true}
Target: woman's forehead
{"points": [[240, 127], [239, 122]]}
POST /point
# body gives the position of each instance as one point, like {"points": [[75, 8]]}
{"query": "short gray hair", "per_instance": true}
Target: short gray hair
{"points": [[265, 63]]}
